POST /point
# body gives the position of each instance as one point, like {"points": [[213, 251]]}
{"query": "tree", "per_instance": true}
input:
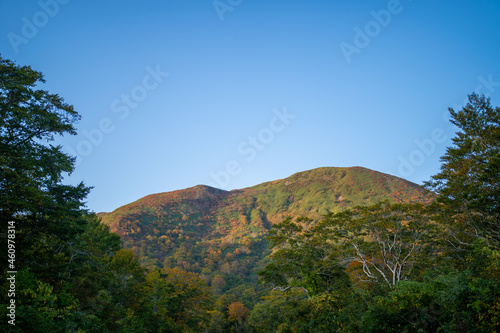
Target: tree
{"points": [[237, 314], [468, 184], [444, 301], [343, 261], [302, 258], [176, 301], [218, 284], [385, 241], [281, 309], [104, 277], [40, 307], [45, 211], [388, 241]]}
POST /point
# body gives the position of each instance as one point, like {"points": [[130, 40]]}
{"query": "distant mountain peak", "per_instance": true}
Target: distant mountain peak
{"points": [[201, 220]]}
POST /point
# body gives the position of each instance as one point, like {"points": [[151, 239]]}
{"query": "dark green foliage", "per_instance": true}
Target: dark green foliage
{"points": [[39, 306], [47, 214], [302, 258], [174, 301], [468, 184], [31, 169], [282, 312], [446, 300], [431, 296]]}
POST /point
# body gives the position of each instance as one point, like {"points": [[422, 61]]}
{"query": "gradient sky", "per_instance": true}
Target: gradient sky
{"points": [[233, 93]]}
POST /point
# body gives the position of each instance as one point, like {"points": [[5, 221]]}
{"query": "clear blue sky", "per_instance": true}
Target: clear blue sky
{"points": [[233, 93]]}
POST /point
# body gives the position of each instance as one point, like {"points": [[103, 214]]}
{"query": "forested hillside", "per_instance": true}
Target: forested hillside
{"points": [[222, 235]]}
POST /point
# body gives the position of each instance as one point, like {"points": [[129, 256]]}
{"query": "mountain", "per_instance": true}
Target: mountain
{"points": [[221, 234]]}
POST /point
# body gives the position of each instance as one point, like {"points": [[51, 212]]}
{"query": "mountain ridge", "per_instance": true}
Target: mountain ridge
{"points": [[211, 188]]}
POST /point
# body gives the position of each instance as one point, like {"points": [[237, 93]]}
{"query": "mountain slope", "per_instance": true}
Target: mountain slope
{"points": [[221, 234]]}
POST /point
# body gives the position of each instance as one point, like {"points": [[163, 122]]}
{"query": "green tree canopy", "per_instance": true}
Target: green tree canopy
{"points": [[31, 166]]}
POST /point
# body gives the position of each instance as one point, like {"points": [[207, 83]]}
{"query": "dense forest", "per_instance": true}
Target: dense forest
{"points": [[407, 260]]}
